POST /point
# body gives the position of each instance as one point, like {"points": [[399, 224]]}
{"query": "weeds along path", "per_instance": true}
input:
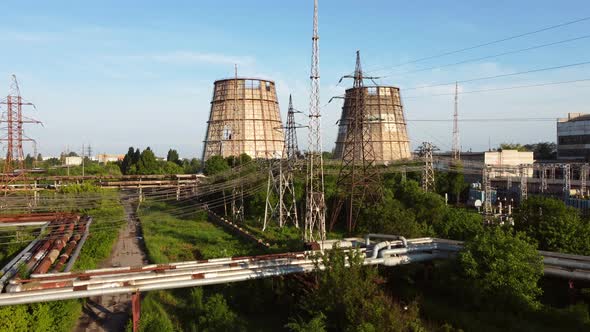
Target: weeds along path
{"points": [[111, 313]]}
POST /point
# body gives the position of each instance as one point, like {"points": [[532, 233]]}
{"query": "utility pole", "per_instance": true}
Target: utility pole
{"points": [[523, 183], [425, 152], [567, 180], [237, 204], [358, 180], [15, 136], [487, 187], [315, 205], [83, 154], [583, 179], [456, 145], [543, 174]]}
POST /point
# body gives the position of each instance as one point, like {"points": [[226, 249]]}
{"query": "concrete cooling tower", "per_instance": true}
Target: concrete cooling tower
{"points": [[386, 121], [244, 118]]}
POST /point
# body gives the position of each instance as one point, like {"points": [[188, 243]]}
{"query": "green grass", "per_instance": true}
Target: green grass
{"points": [[107, 220], [171, 238]]}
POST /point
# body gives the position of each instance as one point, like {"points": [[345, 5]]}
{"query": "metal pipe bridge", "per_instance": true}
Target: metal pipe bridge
{"points": [[378, 249]]}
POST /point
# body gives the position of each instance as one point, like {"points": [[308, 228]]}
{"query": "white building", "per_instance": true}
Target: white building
{"points": [[573, 137], [73, 161], [105, 158], [508, 162]]}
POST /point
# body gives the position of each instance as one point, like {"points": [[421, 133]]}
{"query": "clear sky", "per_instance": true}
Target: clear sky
{"points": [[119, 73]]}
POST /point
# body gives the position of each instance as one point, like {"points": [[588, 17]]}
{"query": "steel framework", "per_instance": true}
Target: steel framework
{"points": [[237, 203], [543, 174], [290, 163], [456, 145], [315, 205], [523, 182], [583, 179], [567, 180], [425, 152], [280, 192], [14, 166], [487, 187], [358, 181]]}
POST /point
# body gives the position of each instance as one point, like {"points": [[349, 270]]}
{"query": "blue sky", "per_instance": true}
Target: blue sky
{"points": [[119, 73]]}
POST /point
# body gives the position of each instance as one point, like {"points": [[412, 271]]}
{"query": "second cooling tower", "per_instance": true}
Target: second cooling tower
{"points": [[385, 119], [244, 118]]}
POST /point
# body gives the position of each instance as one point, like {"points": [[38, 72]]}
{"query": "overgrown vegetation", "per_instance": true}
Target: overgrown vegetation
{"points": [[108, 216], [171, 234], [175, 233], [348, 298]]}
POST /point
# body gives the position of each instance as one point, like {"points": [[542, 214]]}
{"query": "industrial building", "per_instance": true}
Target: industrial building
{"points": [[385, 120], [573, 137], [507, 162], [244, 118]]}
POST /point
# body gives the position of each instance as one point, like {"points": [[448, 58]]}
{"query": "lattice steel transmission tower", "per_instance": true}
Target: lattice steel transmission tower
{"points": [[280, 195], [291, 145], [15, 136], [523, 182], [487, 188], [358, 180], [425, 152], [567, 180], [583, 179], [237, 203], [315, 205], [456, 143], [543, 175]]}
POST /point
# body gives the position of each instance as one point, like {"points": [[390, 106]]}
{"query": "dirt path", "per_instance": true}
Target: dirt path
{"points": [[111, 312]]}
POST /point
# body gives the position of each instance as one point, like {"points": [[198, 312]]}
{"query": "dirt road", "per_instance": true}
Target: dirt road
{"points": [[111, 313]]}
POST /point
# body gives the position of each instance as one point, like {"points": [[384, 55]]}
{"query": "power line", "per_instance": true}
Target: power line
{"points": [[501, 75], [489, 56], [502, 89], [485, 119], [485, 44]]}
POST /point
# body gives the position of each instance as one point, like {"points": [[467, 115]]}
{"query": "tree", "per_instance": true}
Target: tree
{"points": [[348, 297], [192, 166], [502, 269], [215, 165], [555, 226], [127, 161], [543, 150], [427, 207], [512, 146], [147, 163], [169, 167], [29, 161], [452, 182], [173, 157], [390, 217], [458, 224]]}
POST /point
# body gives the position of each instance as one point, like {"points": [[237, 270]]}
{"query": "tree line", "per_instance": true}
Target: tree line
{"points": [[145, 162]]}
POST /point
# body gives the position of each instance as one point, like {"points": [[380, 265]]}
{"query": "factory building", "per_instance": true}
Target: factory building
{"points": [[385, 120], [244, 118], [573, 137]]}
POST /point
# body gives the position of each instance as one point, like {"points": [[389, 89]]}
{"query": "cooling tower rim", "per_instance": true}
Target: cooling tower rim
{"points": [[376, 86], [243, 79]]}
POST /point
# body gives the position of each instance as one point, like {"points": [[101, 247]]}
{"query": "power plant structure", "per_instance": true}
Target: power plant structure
{"points": [[385, 121], [244, 118]]}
